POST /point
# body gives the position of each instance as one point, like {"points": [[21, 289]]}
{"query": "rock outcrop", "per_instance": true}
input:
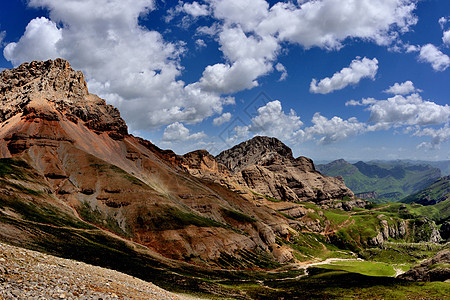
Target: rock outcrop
{"points": [[436, 268], [266, 166], [416, 231], [52, 91]]}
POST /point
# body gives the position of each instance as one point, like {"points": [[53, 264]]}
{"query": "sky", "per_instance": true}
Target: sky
{"points": [[352, 79]]}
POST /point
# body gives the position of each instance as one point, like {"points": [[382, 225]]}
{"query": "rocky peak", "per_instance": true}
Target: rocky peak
{"points": [[259, 150], [52, 90]]}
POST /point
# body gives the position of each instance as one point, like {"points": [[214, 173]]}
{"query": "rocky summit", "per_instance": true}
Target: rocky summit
{"points": [[265, 165]]}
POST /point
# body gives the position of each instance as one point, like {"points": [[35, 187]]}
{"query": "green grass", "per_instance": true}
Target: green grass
{"points": [[42, 213], [94, 216], [173, 218], [13, 167], [272, 199], [238, 216], [368, 268]]}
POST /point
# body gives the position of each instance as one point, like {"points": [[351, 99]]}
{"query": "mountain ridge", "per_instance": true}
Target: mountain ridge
{"points": [[75, 183], [389, 181]]}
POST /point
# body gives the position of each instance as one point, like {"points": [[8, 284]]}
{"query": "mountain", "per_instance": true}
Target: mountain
{"points": [[80, 152], [438, 192], [74, 183], [382, 181], [266, 166], [92, 167]]}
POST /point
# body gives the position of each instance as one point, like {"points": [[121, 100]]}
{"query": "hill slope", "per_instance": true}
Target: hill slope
{"points": [[438, 192], [382, 181]]}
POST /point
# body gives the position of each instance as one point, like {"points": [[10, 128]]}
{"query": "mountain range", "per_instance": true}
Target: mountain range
{"points": [[74, 183], [383, 181]]}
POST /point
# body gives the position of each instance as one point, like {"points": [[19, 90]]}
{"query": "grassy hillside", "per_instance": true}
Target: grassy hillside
{"points": [[438, 192], [385, 181], [31, 217]]}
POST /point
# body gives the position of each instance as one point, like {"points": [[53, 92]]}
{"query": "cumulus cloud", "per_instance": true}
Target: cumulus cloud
{"points": [[410, 110], [134, 68], [280, 68], [446, 37], [224, 118], [363, 102], [328, 23], [271, 120], [438, 136], [412, 48], [195, 9], [251, 33], [358, 69], [334, 129], [250, 57], [37, 43], [438, 60], [200, 43], [176, 132], [404, 88]]}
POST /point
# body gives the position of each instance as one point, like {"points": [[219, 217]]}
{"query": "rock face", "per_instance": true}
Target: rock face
{"points": [[266, 166], [436, 268], [52, 91]]}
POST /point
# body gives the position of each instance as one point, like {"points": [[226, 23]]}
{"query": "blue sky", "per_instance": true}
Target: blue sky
{"points": [[353, 79]]}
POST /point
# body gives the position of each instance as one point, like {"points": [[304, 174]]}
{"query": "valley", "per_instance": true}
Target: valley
{"points": [[253, 222]]}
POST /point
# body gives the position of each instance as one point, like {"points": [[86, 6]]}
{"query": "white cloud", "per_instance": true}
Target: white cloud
{"points": [[404, 88], [412, 48], [328, 23], [363, 102], [132, 67], [271, 120], [176, 132], [2, 37], [358, 69], [280, 68], [250, 57], [137, 70], [248, 14], [195, 9], [37, 43], [208, 30], [200, 43], [438, 136], [410, 110], [334, 129], [224, 118], [442, 21], [251, 32], [438, 60], [446, 37]]}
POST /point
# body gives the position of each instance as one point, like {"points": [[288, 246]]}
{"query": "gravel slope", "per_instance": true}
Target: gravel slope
{"points": [[26, 274]]}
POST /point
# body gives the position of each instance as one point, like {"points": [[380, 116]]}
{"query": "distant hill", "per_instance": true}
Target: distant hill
{"points": [[438, 192], [383, 180]]}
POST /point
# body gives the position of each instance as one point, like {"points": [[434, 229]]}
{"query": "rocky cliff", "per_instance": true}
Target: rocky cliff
{"points": [[266, 166]]}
